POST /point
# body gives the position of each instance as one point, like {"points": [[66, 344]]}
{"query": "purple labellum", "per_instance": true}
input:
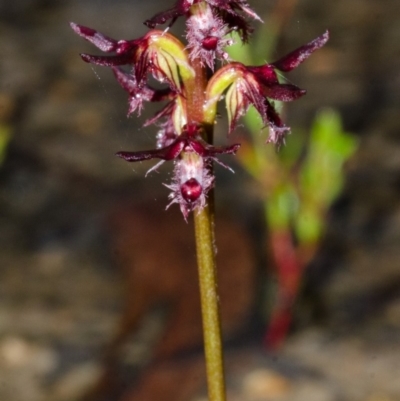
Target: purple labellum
{"points": [[210, 43], [191, 190]]}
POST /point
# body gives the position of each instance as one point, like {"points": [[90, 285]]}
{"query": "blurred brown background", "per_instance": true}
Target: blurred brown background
{"points": [[61, 187]]}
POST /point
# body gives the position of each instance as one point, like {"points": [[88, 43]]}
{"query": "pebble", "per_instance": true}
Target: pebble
{"points": [[18, 353], [264, 384]]}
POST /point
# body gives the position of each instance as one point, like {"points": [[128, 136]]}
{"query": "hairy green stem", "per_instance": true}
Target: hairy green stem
{"points": [[209, 304]]}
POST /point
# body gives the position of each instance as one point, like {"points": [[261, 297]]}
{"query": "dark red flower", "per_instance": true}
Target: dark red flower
{"points": [[206, 35], [164, 57], [257, 86], [190, 140], [139, 94], [157, 53], [232, 13], [192, 179]]}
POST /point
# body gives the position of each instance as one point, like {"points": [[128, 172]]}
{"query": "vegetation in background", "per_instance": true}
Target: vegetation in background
{"points": [[298, 184]]}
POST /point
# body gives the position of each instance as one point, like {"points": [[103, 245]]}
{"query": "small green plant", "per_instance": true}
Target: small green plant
{"points": [[298, 185], [307, 178]]}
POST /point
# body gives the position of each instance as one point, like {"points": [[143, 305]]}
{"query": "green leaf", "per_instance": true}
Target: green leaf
{"points": [[309, 225], [281, 205], [322, 172]]}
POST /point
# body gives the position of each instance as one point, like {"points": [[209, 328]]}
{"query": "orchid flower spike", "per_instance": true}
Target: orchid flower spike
{"points": [[160, 56]]}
